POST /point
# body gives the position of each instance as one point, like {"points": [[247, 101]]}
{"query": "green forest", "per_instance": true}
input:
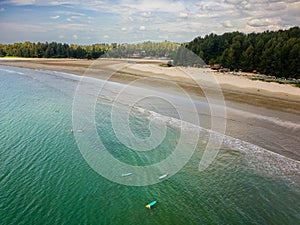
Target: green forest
{"points": [[275, 53], [53, 50], [59, 50], [164, 49]]}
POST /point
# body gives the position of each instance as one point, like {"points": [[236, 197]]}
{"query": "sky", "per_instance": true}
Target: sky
{"points": [[132, 21]]}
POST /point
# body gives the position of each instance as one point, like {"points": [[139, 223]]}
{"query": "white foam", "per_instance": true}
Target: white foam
{"points": [[12, 71], [257, 158]]}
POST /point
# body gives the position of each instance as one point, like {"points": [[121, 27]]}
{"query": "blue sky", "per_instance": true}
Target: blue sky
{"points": [[130, 21]]}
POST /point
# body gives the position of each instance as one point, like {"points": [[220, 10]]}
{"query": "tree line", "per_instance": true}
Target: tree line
{"points": [[164, 49], [53, 50], [60, 50], [274, 53]]}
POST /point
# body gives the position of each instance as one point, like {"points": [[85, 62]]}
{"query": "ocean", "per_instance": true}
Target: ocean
{"points": [[72, 154]]}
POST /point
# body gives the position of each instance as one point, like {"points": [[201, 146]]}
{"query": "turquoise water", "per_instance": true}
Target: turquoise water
{"points": [[45, 180]]}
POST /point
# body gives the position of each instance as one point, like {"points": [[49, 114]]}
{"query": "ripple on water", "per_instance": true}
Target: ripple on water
{"points": [[44, 179]]}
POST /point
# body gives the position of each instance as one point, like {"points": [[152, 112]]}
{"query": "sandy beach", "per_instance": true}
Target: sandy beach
{"points": [[265, 114], [281, 97]]}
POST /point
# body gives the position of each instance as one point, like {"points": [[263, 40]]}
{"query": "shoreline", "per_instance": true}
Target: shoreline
{"points": [[268, 118], [282, 97]]}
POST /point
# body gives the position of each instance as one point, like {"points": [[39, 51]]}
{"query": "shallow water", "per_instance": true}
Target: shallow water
{"points": [[44, 178]]}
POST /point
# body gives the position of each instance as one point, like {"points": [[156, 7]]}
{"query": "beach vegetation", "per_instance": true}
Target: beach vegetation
{"points": [[294, 82], [275, 53], [168, 64]]}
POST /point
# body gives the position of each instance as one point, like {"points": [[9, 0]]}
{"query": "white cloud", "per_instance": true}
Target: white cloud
{"points": [[23, 28], [164, 37], [45, 2], [277, 6], [54, 17], [264, 22], [209, 6], [76, 17], [21, 2], [146, 14], [183, 15], [227, 24], [72, 18], [72, 27], [70, 13], [293, 11], [177, 19], [142, 28], [2, 9], [106, 36], [122, 7], [204, 15], [75, 37], [154, 5]]}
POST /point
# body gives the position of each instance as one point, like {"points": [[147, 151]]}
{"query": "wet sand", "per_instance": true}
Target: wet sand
{"points": [[265, 114]]}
